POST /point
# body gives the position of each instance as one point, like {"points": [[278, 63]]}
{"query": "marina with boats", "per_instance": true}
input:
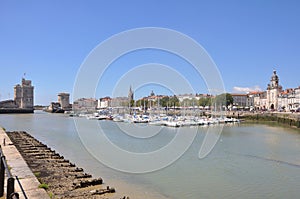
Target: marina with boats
{"points": [[158, 119]]}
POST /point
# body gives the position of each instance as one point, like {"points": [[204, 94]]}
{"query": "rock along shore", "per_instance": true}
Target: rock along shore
{"points": [[60, 177]]}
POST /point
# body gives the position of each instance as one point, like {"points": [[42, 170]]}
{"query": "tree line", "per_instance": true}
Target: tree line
{"points": [[224, 99]]}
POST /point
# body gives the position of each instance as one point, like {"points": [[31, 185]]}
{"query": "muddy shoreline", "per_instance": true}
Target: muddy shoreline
{"points": [[60, 177]]}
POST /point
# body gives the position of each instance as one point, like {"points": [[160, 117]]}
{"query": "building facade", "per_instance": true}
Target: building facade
{"points": [[85, 104], [240, 100], [297, 97], [275, 98], [104, 102]]}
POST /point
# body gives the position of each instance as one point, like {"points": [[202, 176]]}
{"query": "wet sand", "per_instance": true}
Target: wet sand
{"points": [[136, 191]]}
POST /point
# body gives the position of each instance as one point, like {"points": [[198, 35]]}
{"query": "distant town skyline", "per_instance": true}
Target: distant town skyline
{"points": [[48, 41]]}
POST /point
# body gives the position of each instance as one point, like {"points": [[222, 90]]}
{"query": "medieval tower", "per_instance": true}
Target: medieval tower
{"points": [[23, 94], [273, 91], [64, 100]]}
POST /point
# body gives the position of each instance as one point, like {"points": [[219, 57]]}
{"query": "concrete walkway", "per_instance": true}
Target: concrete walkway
{"points": [[19, 168]]}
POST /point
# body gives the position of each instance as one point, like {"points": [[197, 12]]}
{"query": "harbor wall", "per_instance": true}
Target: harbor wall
{"points": [[16, 110], [289, 119], [19, 167]]}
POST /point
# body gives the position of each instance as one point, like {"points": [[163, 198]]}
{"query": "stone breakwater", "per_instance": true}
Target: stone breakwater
{"points": [[60, 177]]}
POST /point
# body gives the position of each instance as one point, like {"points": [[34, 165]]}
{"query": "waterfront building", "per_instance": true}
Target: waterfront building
{"points": [[120, 102], [252, 99], [104, 102], [275, 98], [258, 99], [152, 98], [85, 104], [297, 97], [286, 99], [263, 101], [183, 97], [279, 99], [240, 100], [290, 99]]}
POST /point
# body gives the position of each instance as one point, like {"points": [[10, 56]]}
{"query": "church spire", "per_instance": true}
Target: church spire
{"points": [[130, 94]]}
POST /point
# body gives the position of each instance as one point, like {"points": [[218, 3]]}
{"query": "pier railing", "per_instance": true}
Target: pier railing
{"points": [[10, 192]]}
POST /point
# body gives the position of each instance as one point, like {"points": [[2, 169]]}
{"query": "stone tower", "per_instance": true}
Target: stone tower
{"points": [[24, 95], [273, 91], [18, 95], [130, 94], [64, 100]]}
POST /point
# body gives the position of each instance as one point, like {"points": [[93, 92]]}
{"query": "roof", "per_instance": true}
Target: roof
{"points": [[255, 92], [238, 94]]}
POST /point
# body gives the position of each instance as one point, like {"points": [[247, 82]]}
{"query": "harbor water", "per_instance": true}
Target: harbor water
{"points": [[248, 160]]}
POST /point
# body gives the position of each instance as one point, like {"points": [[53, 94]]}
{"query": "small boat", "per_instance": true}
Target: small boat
{"points": [[141, 119], [172, 124], [96, 117], [118, 118]]}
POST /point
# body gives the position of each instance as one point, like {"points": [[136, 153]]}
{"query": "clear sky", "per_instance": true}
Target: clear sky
{"points": [[49, 40]]}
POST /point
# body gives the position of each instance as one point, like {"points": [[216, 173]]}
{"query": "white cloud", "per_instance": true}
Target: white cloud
{"points": [[246, 89]]}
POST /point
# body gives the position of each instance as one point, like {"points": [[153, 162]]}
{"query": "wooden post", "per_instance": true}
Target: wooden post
{"points": [[2, 170], [10, 187]]}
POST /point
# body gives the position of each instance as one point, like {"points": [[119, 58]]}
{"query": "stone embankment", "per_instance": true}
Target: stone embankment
{"points": [[16, 110], [60, 177], [18, 167], [289, 119]]}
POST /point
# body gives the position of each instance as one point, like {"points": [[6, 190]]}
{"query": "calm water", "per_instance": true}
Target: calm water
{"points": [[249, 161]]}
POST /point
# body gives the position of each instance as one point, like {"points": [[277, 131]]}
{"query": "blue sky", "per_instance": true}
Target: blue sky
{"points": [[49, 40]]}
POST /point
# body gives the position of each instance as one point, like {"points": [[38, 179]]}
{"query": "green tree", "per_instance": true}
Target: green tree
{"points": [[142, 102], [205, 101], [169, 101], [224, 99], [131, 103], [173, 101], [190, 102], [164, 101]]}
